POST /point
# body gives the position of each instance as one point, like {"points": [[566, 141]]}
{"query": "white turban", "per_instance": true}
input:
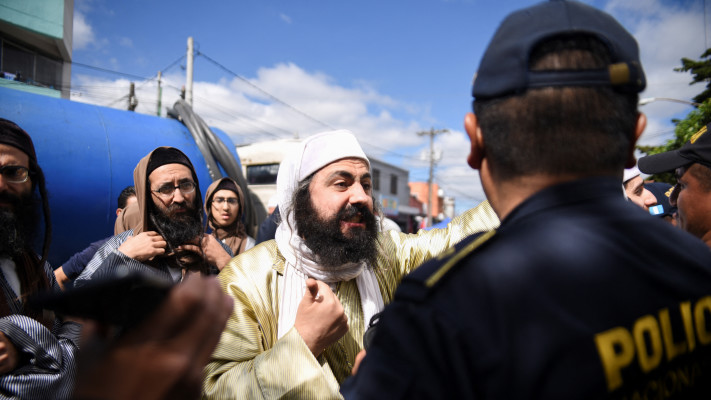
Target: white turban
{"points": [[312, 154], [630, 173]]}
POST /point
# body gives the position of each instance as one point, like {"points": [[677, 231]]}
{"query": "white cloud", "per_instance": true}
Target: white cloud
{"points": [[665, 33], [83, 34], [126, 42], [387, 126], [285, 18]]}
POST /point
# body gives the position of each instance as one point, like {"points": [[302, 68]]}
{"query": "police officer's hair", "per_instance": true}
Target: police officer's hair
{"points": [[702, 173], [560, 130]]}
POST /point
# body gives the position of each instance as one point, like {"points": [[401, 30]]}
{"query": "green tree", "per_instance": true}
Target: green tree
{"points": [[695, 120], [683, 131], [701, 70]]}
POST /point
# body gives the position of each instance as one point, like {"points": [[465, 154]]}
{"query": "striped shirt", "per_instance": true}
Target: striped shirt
{"points": [[251, 363], [47, 366], [108, 261]]}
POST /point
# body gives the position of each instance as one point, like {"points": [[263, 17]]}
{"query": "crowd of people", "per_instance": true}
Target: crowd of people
{"points": [[574, 279]]}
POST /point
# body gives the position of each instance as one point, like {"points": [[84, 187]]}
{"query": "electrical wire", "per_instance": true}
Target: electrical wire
{"points": [[280, 101], [215, 151], [145, 80], [271, 96], [109, 71]]}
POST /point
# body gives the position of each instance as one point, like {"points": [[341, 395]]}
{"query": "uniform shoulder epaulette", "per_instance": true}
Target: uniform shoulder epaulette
{"points": [[449, 258], [416, 285]]}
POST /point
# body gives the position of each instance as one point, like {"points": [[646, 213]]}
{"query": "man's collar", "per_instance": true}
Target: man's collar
{"points": [[565, 193]]}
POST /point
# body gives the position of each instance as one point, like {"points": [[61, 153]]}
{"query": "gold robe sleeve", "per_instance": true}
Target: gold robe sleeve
{"points": [[250, 363]]}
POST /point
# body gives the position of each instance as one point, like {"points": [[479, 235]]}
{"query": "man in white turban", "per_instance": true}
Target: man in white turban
{"points": [[304, 300], [635, 191]]}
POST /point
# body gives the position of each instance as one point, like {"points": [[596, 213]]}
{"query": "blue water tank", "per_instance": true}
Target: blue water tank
{"points": [[88, 154]]}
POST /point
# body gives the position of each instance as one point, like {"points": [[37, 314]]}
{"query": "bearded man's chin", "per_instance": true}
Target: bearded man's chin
{"points": [[18, 222]]}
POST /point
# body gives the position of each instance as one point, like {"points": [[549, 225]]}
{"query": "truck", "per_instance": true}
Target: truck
{"points": [[260, 165]]}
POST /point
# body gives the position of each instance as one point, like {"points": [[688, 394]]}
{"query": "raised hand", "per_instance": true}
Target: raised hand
{"points": [[320, 319], [164, 356], [144, 246]]}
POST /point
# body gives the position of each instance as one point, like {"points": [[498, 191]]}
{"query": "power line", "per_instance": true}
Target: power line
{"points": [[109, 71], [271, 96], [144, 80], [171, 65], [232, 113]]}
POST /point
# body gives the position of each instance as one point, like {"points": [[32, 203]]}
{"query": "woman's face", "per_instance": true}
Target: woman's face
{"points": [[225, 207]]}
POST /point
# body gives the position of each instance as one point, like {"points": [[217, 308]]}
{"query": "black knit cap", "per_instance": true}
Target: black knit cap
{"points": [[227, 184], [167, 155], [11, 134], [504, 68]]}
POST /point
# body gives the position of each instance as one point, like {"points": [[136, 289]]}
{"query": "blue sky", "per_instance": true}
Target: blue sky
{"points": [[383, 69]]}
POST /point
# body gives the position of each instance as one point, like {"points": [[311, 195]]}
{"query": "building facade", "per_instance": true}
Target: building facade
{"points": [[36, 45], [442, 206], [392, 192]]}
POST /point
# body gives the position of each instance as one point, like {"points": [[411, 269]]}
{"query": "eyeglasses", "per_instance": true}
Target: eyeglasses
{"points": [[168, 190], [15, 173], [230, 200]]}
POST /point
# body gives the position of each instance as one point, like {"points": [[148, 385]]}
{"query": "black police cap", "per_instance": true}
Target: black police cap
{"points": [[504, 69], [696, 150]]}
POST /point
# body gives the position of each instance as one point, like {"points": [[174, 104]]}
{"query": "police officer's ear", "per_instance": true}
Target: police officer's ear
{"points": [[476, 154], [639, 129]]}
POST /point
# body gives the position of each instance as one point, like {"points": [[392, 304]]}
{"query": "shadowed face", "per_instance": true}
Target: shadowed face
{"points": [[18, 208], [638, 194], [693, 201], [12, 156]]}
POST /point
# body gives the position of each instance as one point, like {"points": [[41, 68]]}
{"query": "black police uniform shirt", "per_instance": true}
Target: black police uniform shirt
{"points": [[579, 294]]}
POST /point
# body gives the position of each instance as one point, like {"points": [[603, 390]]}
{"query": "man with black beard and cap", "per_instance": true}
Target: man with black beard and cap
{"points": [[168, 239], [304, 300], [37, 350]]}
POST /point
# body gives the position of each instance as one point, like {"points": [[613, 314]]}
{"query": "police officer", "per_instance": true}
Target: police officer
{"points": [[579, 294], [692, 194]]}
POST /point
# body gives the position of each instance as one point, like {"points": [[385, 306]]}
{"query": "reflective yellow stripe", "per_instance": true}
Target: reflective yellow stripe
{"points": [[697, 135], [432, 280]]}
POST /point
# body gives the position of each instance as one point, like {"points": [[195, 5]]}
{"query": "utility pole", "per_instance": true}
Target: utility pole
{"points": [[189, 73], [432, 133], [160, 93], [132, 100]]}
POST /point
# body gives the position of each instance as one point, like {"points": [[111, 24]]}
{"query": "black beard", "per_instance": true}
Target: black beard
{"points": [[325, 239], [18, 224], [177, 228]]}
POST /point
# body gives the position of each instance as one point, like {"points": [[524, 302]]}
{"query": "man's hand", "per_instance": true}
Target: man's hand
{"points": [[320, 319], [144, 246], [359, 359], [163, 357], [8, 355], [61, 277], [214, 252]]}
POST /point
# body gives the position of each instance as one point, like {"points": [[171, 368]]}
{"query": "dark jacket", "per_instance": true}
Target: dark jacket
{"points": [[579, 294]]}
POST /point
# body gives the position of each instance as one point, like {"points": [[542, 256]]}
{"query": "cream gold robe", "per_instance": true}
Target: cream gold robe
{"points": [[250, 363]]}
